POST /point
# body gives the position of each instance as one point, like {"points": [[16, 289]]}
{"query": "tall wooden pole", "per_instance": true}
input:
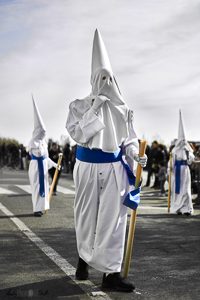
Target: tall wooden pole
{"points": [[169, 183], [131, 232], [55, 175]]}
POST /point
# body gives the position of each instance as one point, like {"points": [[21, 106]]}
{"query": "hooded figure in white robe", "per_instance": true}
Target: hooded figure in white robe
{"points": [[39, 165], [101, 124], [182, 157]]}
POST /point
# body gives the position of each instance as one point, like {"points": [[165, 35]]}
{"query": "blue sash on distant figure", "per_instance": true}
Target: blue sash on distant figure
{"points": [[41, 173], [97, 156], [178, 164]]}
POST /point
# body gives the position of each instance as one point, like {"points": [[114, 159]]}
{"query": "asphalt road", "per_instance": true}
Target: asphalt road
{"points": [[38, 256]]}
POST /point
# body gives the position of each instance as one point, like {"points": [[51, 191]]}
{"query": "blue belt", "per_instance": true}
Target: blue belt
{"points": [[178, 164], [41, 173], [97, 156]]}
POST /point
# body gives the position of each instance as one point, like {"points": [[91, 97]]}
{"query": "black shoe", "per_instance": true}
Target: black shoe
{"points": [[82, 270], [179, 213], [115, 282], [187, 214], [38, 214]]}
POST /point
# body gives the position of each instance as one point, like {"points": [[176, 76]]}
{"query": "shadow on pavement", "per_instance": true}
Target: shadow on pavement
{"points": [[49, 289], [18, 216], [18, 195]]}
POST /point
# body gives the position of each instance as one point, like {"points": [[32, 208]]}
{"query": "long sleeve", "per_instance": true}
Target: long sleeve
{"points": [[131, 144], [191, 158], [82, 123], [51, 163]]}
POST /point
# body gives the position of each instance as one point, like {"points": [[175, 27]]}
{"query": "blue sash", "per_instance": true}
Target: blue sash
{"points": [[178, 164], [97, 156], [41, 173]]}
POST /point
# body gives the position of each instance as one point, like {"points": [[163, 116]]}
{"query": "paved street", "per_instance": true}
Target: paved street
{"points": [[38, 255]]}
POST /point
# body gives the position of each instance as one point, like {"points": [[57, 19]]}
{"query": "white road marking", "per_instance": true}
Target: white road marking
{"points": [[87, 286], [65, 190], [152, 207], [26, 188], [152, 194], [11, 179], [147, 194], [6, 191]]}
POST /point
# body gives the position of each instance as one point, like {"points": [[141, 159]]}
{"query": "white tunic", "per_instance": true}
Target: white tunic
{"points": [[100, 216], [182, 202], [40, 149]]}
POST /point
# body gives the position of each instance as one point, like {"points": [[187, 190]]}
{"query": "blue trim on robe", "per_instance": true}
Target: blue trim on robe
{"points": [[178, 164], [132, 199], [41, 173]]}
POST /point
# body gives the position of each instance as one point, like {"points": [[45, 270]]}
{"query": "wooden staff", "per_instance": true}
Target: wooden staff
{"points": [[132, 224], [169, 183], [55, 175]]}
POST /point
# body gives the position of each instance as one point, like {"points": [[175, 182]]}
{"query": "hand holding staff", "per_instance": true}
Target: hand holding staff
{"points": [[133, 216], [55, 175]]}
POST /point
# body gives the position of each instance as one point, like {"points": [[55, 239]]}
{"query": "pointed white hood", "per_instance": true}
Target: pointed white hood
{"points": [[39, 131], [100, 59], [181, 131], [101, 68], [181, 143], [113, 113]]}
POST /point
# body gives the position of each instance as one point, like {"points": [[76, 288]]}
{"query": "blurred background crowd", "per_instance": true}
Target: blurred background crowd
{"points": [[14, 155]]}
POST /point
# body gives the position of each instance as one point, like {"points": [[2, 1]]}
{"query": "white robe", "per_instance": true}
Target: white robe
{"points": [[100, 216], [182, 202], [40, 149]]}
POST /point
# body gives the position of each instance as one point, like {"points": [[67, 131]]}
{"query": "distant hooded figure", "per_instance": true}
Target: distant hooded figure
{"points": [[39, 165], [101, 124], [182, 157]]}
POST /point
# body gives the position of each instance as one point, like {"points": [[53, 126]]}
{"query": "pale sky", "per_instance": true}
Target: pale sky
{"points": [[154, 49]]}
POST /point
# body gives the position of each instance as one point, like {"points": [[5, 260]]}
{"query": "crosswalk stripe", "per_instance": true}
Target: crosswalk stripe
{"points": [[152, 207], [6, 191], [65, 190], [26, 188]]}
